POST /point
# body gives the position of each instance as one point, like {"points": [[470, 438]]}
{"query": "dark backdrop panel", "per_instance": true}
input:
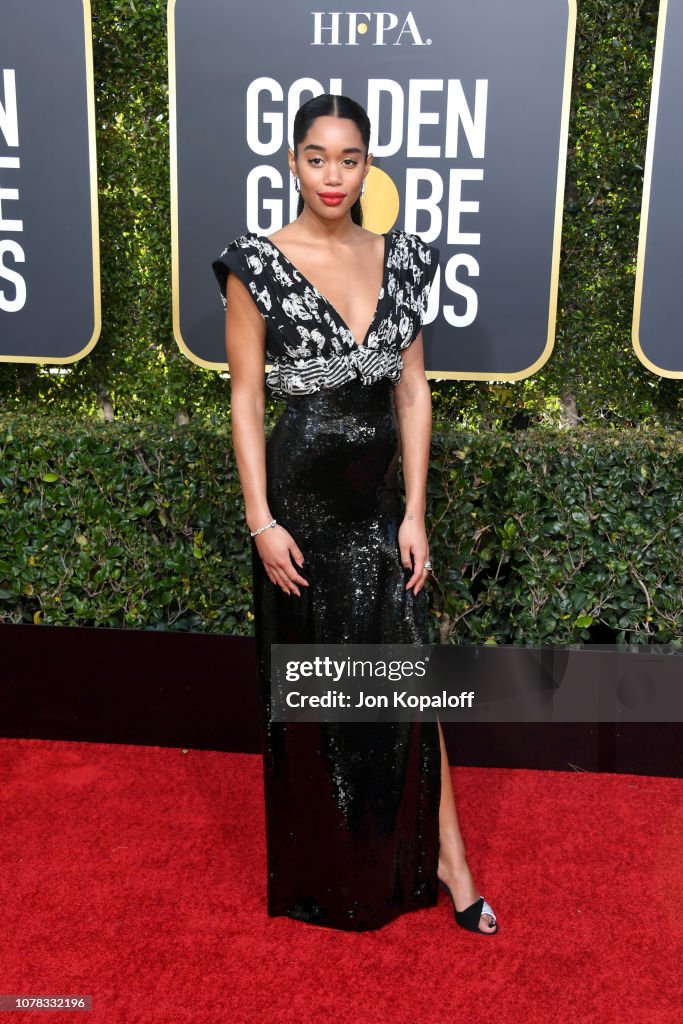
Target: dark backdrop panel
{"points": [[658, 312], [223, 52], [47, 162], [200, 691]]}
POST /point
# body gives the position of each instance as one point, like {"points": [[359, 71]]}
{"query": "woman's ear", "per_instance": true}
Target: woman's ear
{"points": [[292, 161]]}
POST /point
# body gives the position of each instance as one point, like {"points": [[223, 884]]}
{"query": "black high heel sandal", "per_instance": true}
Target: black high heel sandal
{"points": [[470, 916]]}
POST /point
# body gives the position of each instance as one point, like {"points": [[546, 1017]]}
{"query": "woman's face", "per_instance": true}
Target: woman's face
{"points": [[331, 166]]}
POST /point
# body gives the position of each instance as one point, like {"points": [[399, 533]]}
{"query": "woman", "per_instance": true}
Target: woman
{"points": [[360, 819]]}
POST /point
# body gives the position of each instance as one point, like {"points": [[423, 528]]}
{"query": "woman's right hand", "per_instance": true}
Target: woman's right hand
{"points": [[277, 548]]}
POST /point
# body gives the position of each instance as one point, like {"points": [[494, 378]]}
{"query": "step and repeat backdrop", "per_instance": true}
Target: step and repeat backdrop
{"points": [[657, 310], [49, 235], [469, 107]]}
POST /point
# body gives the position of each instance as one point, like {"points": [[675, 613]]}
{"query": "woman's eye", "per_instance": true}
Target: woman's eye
{"points": [[317, 160]]}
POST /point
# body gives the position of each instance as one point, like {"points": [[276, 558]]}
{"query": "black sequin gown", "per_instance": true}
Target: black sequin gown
{"points": [[351, 808]]}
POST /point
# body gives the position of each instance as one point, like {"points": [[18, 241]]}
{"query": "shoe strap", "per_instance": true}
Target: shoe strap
{"points": [[486, 909]]}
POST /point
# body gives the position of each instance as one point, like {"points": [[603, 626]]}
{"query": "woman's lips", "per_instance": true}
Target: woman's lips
{"points": [[332, 198]]}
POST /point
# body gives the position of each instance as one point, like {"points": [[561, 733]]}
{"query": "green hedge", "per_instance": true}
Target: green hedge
{"points": [[536, 537], [558, 537], [132, 525]]}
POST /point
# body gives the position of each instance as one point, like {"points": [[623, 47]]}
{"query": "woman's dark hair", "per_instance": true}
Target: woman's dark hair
{"points": [[329, 105]]}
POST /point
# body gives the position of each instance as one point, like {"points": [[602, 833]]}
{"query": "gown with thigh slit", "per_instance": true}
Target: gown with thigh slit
{"points": [[351, 808]]}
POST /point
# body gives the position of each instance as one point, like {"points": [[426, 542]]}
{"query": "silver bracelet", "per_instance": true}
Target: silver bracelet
{"points": [[255, 533]]}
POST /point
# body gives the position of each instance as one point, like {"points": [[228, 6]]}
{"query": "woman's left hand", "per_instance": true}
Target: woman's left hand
{"points": [[414, 547]]}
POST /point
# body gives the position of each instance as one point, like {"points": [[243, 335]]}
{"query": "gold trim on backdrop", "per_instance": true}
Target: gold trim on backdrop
{"points": [[433, 374], [94, 210], [645, 205]]}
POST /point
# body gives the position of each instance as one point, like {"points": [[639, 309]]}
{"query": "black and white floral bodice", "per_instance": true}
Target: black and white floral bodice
{"points": [[308, 344]]}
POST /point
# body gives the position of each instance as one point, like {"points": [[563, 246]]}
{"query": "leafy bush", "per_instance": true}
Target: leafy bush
{"points": [[121, 524], [558, 537], [536, 537]]}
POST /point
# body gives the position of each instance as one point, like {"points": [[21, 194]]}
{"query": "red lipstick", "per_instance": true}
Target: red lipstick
{"points": [[332, 198]]}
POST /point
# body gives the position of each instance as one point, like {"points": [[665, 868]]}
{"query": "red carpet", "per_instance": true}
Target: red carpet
{"points": [[136, 875]]}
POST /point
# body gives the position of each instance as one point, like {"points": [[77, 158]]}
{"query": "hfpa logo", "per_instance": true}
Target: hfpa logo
{"points": [[337, 28]]}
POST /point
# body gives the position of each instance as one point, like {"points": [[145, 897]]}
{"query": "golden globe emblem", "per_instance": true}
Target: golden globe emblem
{"points": [[380, 202]]}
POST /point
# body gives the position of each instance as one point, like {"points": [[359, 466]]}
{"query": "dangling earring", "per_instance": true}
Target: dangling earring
{"points": [[362, 188], [296, 184]]}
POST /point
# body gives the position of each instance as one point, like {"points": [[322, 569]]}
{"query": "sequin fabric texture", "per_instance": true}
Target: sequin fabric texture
{"points": [[351, 808]]}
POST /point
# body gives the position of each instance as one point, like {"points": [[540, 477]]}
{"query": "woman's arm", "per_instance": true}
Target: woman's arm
{"points": [[245, 343], [414, 412]]}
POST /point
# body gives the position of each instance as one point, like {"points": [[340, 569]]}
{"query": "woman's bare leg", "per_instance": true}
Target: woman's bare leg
{"points": [[453, 869]]}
